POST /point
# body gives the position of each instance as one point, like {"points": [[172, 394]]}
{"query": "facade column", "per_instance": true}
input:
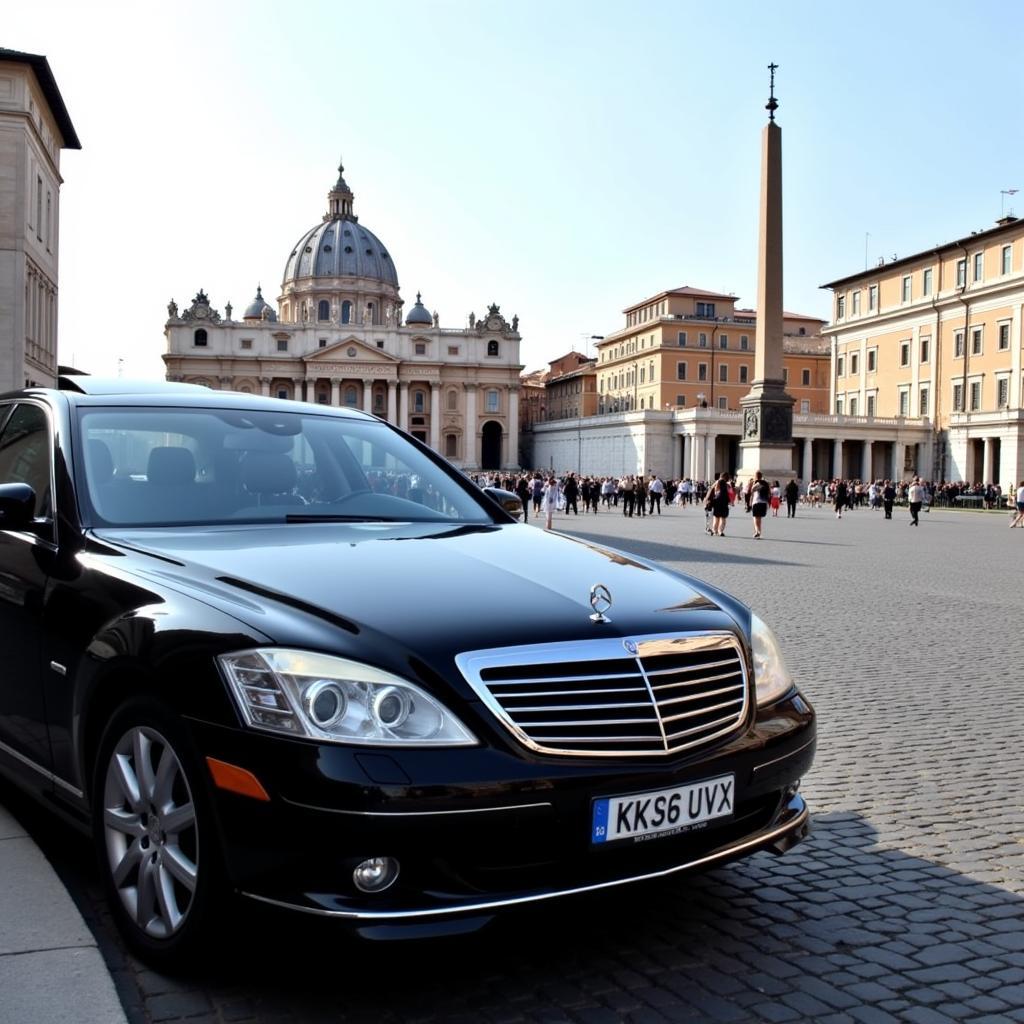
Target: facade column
{"points": [[469, 448], [403, 405], [335, 392], [808, 461], [684, 466], [899, 455], [513, 426], [435, 415], [299, 389], [989, 464], [837, 457], [265, 387], [697, 457], [711, 444], [368, 396], [865, 463], [392, 401]]}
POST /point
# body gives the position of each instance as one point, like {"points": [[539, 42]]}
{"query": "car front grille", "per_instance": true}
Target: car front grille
{"points": [[640, 696]]}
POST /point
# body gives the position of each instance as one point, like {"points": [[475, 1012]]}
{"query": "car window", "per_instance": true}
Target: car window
{"points": [[152, 466], [25, 452]]}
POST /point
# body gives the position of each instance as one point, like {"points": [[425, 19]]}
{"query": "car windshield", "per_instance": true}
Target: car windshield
{"points": [[173, 466]]}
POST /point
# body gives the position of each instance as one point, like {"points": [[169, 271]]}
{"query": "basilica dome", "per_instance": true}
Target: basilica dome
{"points": [[340, 246]]}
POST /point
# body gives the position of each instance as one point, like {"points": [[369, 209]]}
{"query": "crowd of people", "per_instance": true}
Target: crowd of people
{"points": [[644, 494]]}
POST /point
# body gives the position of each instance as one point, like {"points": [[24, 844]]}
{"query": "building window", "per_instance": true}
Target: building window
{"points": [[451, 446], [346, 312], [744, 342], [961, 273], [453, 400], [904, 353], [854, 363], [723, 403], [872, 298], [785, 375], [1002, 392], [351, 398], [323, 343], [976, 342], [723, 341], [958, 398], [839, 407], [321, 399], [282, 344], [743, 375], [680, 399], [856, 303], [282, 392], [926, 281], [702, 371], [453, 350], [840, 366], [643, 373], [905, 295], [840, 307], [805, 405], [1007, 258], [979, 266], [853, 405], [925, 349], [323, 310], [378, 401], [246, 344], [492, 348], [723, 373], [871, 405], [872, 360], [199, 338], [681, 339], [904, 402], [421, 349], [923, 410], [419, 401], [805, 378], [380, 344], [492, 400], [705, 309], [702, 340], [1004, 337], [975, 395], [958, 345]]}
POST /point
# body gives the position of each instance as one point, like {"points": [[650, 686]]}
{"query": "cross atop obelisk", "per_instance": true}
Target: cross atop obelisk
{"points": [[767, 442]]}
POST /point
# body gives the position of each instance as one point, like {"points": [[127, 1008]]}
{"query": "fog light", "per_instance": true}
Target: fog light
{"points": [[375, 874]]}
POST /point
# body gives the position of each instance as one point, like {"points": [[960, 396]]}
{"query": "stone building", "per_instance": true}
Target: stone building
{"points": [[34, 128], [338, 337]]}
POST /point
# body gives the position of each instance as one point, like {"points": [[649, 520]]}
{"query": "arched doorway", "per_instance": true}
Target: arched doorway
{"points": [[490, 446]]}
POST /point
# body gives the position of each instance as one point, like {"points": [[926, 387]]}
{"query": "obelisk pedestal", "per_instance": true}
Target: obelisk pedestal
{"points": [[767, 441]]}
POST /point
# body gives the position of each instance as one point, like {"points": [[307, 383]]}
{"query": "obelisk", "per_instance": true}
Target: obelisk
{"points": [[767, 442]]}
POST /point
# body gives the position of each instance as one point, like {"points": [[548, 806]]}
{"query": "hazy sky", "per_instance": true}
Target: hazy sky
{"points": [[563, 159]]}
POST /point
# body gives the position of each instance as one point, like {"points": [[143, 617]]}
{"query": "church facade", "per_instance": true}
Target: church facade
{"points": [[338, 337]]}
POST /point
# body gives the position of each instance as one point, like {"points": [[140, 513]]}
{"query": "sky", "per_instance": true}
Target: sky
{"points": [[563, 159]]}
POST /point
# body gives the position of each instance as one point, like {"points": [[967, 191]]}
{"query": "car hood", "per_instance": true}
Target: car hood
{"points": [[427, 590]]}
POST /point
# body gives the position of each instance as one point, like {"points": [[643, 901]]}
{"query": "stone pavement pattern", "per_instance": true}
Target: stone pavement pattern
{"points": [[906, 904]]}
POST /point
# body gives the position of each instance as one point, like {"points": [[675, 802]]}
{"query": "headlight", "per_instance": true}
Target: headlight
{"points": [[300, 693], [771, 677]]}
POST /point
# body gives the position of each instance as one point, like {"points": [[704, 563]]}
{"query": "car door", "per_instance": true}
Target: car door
{"points": [[26, 456]]}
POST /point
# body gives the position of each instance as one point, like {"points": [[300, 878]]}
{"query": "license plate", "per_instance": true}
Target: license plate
{"points": [[662, 811]]}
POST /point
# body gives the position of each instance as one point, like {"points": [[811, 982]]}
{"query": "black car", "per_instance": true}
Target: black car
{"points": [[285, 651]]}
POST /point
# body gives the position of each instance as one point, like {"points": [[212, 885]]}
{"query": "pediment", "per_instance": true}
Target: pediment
{"points": [[350, 350]]}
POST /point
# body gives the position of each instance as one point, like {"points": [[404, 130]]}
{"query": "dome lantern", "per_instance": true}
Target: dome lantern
{"points": [[419, 316]]}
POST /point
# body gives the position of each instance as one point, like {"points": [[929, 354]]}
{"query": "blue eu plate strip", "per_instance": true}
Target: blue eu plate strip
{"points": [[600, 829]]}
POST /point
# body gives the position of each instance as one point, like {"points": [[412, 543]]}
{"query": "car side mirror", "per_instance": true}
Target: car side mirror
{"points": [[507, 500], [17, 506]]}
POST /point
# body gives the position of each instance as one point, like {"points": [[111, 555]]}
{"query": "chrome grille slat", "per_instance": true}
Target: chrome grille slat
{"points": [[544, 693]]}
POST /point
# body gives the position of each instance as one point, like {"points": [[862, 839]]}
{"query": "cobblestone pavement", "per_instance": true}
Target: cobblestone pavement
{"points": [[906, 904]]}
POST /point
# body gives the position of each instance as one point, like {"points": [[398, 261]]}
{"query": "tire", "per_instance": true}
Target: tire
{"points": [[154, 834]]}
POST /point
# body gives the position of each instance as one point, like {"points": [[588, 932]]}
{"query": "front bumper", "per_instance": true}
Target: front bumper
{"points": [[478, 830]]}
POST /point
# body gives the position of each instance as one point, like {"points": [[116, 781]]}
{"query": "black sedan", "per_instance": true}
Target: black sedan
{"points": [[286, 652]]}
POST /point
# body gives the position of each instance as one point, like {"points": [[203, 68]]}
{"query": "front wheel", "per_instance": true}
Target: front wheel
{"points": [[153, 832]]}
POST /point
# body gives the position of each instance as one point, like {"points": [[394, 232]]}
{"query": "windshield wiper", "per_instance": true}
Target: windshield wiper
{"points": [[327, 517]]}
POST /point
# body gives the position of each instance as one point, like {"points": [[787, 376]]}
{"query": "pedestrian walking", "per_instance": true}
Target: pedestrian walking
{"points": [[655, 491], [776, 502], [792, 496], [760, 494], [718, 501], [915, 496], [839, 497], [549, 501], [1020, 507], [888, 497]]}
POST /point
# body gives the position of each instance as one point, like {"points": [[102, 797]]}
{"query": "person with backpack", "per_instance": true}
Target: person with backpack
{"points": [[760, 493]]}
